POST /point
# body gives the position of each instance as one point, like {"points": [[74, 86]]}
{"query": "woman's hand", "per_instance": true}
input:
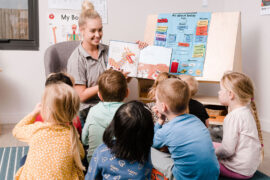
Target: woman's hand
{"points": [[142, 44]]}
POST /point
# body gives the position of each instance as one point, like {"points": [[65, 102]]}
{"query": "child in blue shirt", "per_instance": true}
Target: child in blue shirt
{"points": [[125, 153], [112, 90], [187, 139]]}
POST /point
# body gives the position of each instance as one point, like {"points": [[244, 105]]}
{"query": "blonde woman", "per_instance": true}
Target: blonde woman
{"points": [[55, 150], [89, 60], [241, 149]]}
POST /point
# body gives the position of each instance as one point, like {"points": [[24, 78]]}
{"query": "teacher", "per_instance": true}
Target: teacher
{"points": [[89, 60]]}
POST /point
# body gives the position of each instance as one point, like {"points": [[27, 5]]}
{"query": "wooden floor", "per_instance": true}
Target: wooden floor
{"points": [[7, 140]]}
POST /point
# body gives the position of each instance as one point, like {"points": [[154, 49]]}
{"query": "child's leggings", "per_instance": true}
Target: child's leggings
{"points": [[228, 173]]}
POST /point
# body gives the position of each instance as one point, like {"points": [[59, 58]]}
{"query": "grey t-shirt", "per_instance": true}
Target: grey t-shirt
{"points": [[86, 69]]}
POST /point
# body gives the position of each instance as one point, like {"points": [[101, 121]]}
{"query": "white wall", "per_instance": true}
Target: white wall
{"points": [[255, 50], [22, 79], [255, 54]]}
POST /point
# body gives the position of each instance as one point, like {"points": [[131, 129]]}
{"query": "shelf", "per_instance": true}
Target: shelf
{"points": [[208, 100], [145, 100], [216, 120]]}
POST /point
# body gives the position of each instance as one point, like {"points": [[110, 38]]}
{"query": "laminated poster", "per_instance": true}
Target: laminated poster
{"points": [[63, 26], [265, 7], [186, 34], [100, 6]]}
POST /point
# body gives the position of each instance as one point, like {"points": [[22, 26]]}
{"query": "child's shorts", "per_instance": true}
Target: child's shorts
{"points": [[162, 164]]}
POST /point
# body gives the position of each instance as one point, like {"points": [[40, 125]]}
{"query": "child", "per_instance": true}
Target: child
{"points": [[239, 153], [59, 77], [125, 153], [195, 107], [55, 150], [161, 76], [187, 139], [112, 91], [151, 95]]}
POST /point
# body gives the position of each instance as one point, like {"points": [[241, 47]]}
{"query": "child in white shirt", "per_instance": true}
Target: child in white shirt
{"points": [[239, 152]]}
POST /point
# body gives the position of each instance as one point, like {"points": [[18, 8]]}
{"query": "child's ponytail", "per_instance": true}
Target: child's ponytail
{"points": [[258, 125], [243, 88], [76, 147], [60, 105]]}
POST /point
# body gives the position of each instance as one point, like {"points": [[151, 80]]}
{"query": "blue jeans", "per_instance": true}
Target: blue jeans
{"points": [[22, 161]]}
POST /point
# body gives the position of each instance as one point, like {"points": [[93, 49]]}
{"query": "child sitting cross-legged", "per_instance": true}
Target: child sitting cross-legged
{"points": [[125, 153], [55, 150], [187, 139], [112, 90]]}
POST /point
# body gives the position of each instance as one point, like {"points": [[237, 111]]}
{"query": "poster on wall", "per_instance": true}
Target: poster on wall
{"points": [[100, 6], [186, 34], [265, 7], [63, 26], [65, 4]]}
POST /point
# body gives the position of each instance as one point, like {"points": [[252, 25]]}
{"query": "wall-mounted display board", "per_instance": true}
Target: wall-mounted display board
{"points": [[206, 44]]}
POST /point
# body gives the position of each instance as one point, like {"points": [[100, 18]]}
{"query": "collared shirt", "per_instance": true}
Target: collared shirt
{"points": [[190, 146], [86, 70], [241, 147]]}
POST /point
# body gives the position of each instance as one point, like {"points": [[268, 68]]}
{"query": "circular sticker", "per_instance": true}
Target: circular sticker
{"points": [[51, 16]]}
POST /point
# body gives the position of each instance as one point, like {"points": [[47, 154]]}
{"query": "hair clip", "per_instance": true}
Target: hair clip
{"points": [[252, 99], [262, 145]]}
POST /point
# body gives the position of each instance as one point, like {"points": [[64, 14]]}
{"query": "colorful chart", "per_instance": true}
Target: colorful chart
{"points": [[186, 34]]}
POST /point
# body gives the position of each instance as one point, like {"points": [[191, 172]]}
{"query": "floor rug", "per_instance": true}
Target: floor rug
{"points": [[9, 161]]}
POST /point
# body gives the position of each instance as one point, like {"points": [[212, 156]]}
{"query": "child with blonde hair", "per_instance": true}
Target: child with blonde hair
{"points": [[161, 76], [55, 150], [195, 107], [61, 77], [152, 91], [187, 139], [242, 143]]}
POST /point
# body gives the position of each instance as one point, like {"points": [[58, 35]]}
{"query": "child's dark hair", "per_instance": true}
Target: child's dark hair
{"points": [[112, 86], [59, 77], [130, 134]]}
